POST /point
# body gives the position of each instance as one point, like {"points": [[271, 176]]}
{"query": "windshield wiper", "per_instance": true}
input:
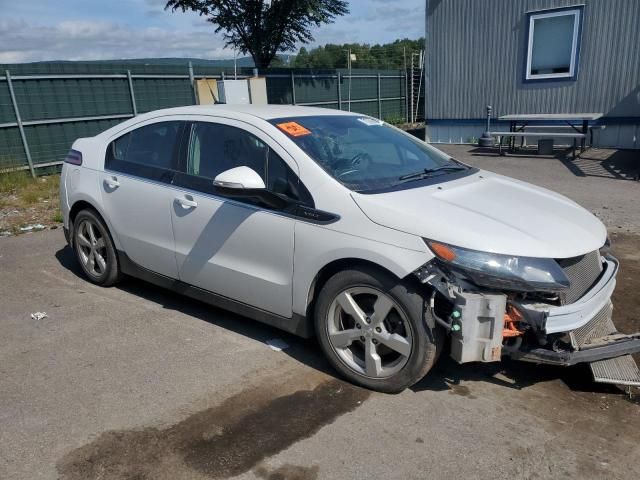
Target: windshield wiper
{"points": [[429, 172]]}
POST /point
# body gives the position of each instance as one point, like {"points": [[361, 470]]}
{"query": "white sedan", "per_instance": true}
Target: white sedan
{"points": [[338, 225]]}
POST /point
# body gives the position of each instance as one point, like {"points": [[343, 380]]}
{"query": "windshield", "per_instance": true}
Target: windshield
{"points": [[365, 154]]}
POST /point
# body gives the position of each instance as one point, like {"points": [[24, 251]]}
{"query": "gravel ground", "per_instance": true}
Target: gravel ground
{"points": [[134, 382]]}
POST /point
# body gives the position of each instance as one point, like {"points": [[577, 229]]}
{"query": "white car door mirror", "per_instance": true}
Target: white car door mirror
{"points": [[239, 178], [244, 182]]}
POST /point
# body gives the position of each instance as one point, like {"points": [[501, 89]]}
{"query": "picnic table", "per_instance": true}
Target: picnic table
{"points": [[579, 122]]}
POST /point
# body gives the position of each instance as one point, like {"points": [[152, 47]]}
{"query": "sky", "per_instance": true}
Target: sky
{"points": [[36, 30]]}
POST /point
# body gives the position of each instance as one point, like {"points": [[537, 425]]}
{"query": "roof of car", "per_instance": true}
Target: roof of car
{"points": [[262, 112], [266, 112]]}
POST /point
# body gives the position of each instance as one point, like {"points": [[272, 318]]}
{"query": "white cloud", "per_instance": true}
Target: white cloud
{"points": [[23, 41], [35, 30]]}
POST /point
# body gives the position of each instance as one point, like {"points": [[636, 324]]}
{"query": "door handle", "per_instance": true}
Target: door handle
{"points": [[186, 203], [112, 182]]}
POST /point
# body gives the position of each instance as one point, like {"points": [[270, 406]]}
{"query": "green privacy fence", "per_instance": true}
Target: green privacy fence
{"points": [[45, 107]]}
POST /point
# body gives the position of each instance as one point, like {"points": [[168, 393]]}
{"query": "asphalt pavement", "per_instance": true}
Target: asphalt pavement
{"points": [[134, 382]]}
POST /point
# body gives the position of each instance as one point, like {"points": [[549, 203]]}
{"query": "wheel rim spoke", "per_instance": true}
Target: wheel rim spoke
{"points": [[344, 338], [395, 342], [381, 309], [92, 262], [84, 256], [82, 240], [100, 260], [92, 234], [372, 361], [350, 306]]}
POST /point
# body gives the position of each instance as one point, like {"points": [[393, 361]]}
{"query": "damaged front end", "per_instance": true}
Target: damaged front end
{"points": [[556, 312]]}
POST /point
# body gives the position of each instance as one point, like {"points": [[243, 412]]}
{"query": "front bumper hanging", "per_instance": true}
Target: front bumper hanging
{"points": [[582, 332]]}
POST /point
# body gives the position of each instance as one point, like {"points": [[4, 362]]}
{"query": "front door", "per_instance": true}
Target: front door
{"points": [[137, 197], [237, 249]]}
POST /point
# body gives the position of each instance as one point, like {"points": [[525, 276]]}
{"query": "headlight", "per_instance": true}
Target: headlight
{"points": [[501, 271]]}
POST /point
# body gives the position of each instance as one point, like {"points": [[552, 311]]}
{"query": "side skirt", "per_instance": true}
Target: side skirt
{"points": [[298, 325]]}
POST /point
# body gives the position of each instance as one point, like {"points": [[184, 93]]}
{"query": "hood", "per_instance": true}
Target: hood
{"points": [[490, 213]]}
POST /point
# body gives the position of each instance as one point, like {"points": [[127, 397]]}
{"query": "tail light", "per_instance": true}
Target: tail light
{"points": [[74, 157]]}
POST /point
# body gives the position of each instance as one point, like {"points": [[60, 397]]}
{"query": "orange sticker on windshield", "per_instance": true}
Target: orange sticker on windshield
{"points": [[294, 129]]}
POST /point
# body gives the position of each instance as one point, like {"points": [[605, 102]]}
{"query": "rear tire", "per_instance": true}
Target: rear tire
{"points": [[376, 330], [94, 249]]}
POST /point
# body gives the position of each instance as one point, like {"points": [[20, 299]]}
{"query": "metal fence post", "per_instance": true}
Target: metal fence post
{"points": [[339, 92], [133, 95], [379, 100], [406, 97], [293, 88], [193, 83], [25, 145]]}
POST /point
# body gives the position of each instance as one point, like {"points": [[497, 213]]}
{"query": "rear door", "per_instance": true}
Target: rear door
{"points": [[136, 194], [238, 249]]}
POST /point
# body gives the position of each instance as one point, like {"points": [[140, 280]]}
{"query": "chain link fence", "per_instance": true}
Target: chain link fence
{"points": [[45, 107]]}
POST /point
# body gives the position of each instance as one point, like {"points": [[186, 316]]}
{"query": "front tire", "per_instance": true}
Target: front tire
{"points": [[94, 249], [376, 330]]}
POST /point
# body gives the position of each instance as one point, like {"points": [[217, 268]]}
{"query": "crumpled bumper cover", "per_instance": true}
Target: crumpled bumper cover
{"points": [[577, 314], [622, 345]]}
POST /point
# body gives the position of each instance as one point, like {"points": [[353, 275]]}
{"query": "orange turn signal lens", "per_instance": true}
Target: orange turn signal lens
{"points": [[442, 251]]}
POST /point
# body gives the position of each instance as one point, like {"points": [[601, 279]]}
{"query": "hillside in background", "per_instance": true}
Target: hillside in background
{"points": [[241, 61], [379, 56], [386, 56]]}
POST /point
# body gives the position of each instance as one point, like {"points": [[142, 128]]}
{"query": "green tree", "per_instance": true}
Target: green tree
{"points": [[386, 56], [263, 28], [302, 59]]}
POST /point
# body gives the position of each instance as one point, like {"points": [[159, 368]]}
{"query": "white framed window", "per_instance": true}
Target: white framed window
{"points": [[553, 43]]}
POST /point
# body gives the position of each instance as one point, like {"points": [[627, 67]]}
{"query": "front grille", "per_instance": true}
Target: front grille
{"points": [[599, 326], [582, 272]]}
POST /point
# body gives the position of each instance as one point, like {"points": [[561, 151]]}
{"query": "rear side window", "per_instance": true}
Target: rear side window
{"points": [[214, 148], [149, 151]]}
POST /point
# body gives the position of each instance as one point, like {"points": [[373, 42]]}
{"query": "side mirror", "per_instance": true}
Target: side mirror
{"points": [[244, 182], [239, 178]]}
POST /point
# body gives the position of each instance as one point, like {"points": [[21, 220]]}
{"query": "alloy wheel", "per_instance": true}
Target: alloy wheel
{"points": [[92, 248], [369, 332]]}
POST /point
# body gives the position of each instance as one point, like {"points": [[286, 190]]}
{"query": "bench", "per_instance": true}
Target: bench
{"points": [[575, 136]]}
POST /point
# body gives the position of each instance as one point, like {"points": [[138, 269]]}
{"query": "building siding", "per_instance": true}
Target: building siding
{"points": [[475, 54]]}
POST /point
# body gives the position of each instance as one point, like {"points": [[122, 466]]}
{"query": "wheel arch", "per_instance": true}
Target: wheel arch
{"points": [[85, 203], [338, 265]]}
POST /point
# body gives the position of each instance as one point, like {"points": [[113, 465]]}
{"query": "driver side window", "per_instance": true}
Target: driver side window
{"points": [[213, 148]]}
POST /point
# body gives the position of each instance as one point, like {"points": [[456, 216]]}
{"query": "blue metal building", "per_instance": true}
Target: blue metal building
{"points": [[532, 56]]}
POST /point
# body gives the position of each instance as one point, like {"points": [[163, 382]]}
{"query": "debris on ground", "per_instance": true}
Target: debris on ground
{"points": [[27, 202], [39, 315], [28, 228], [277, 344]]}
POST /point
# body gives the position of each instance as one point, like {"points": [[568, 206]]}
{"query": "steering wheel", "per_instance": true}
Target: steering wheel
{"points": [[360, 160]]}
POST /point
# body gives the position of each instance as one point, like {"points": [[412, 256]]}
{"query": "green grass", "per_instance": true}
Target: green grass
{"points": [[29, 196], [29, 189], [395, 119], [30, 200], [10, 182], [57, 217]]}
